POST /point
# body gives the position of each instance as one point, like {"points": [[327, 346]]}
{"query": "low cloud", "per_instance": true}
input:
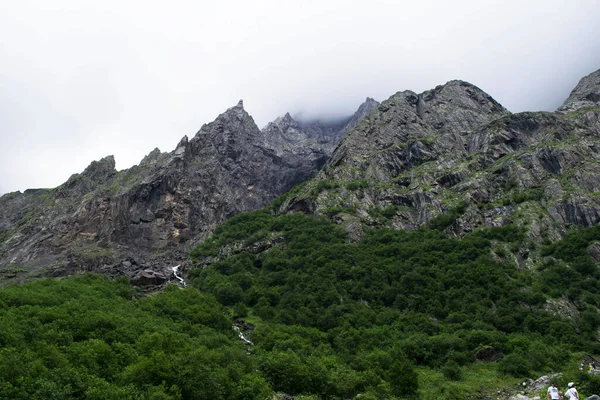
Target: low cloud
{"points": [[83, 80]]}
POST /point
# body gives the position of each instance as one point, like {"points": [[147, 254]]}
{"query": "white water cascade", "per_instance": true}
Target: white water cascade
{"points": [[241, 335], [176, 273]]}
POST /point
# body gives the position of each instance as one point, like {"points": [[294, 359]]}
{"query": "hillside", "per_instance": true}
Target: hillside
{"points": [[447, 249], [397, 315], [419, 156]]}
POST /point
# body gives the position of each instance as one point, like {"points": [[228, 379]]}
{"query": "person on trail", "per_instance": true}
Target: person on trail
{"points": [[553, 393], [572, 392]]}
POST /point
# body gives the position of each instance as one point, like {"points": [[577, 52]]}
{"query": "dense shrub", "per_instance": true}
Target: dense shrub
{"points": [[332, 318], [434, 298]]}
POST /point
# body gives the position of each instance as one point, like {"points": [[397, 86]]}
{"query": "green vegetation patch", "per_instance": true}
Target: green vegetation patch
{"points": [[87, 337], [380, 316], [396, 315]]}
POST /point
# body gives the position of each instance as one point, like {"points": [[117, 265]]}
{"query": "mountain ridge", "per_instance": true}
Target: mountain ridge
{"points": [[423, 161], [400, 163], [446, 249], [102, 218]]}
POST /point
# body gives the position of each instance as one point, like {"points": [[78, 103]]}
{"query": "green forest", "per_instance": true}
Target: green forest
{"points": [[396, 315]]}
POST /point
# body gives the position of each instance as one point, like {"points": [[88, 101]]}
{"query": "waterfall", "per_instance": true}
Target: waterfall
{"points": [[175, 272], [241, 335]]}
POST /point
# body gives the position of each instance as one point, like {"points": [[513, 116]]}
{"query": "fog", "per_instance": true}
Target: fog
{"points": [[81, 80]]}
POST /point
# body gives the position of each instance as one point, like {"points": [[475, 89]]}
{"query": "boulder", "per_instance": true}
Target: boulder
{"points": [[147, 277], [487, 354], [522, 397]]}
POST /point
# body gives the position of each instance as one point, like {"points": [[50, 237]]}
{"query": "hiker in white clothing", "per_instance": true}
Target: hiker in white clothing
{"points": [[553, 393], [572, 392]]}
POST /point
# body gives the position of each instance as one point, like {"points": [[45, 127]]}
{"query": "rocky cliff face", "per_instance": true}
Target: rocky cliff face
{"points": [[151, 214], [451, 150], [455, 150], [286, 134], [584, 95]]}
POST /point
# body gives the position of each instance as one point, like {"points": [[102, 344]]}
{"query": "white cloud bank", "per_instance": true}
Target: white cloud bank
{"points": [[80, 80]]}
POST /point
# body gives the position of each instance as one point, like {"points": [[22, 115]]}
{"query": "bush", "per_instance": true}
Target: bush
{"points": [[451, 371], [240, 310], [515, 364]]}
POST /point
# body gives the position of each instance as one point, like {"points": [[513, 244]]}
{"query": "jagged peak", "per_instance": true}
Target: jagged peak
{"points": [[238, 107], [237, 111], [105, 163], [585, 94], [462, 93], [369, 103], [151, 157], [235, 118], [183, 141], [181, 146], [363, 111], [458, 83], [287, 120], [101, 169]]}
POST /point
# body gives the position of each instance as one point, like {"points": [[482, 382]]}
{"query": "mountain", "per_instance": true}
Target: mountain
{"points": [[447, 249], [149, 216], [286, 134], [455, 151]]}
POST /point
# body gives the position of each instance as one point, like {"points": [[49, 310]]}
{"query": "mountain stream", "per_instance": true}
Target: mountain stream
{"points": [[176, 273]]}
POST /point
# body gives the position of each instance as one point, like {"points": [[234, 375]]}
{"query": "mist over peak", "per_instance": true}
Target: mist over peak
{"points": [[326, 120]]}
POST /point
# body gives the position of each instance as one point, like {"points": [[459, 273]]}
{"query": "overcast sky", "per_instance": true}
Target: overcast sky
{"points": [[80, 80]]}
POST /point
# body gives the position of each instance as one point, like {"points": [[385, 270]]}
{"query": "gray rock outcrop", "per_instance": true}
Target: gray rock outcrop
{"points": [[455, 148], [156, 211], [585, 94], [450, 150]]}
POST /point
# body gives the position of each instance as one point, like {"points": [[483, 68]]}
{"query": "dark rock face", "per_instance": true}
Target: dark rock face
{"points": [[407, 116], [288, 135], [420, 155], [156, 211], [487, 354], [147, 277], [400, 163], [585, 94]]}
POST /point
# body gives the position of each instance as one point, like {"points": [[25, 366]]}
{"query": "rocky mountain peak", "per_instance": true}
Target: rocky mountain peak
{"points": [[585, 94], [462, 104], [455, 148], [453, 107], [181, 146], [236, 112], [99, 170], [369, 104], [229, 132], [415, 155], [151, 157], [286, 121], [364, 110]]}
